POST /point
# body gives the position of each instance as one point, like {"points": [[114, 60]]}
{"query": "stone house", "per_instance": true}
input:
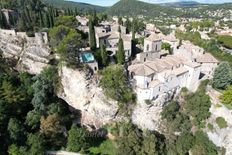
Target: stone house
{"points": [[152, 73], [168, 74], [110, 39], [152, 49]]}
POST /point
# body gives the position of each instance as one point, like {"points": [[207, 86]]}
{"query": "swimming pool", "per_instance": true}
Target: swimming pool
{"points": [[86, 57]]}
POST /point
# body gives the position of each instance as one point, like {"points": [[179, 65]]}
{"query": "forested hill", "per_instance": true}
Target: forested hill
{"points": [[82, 7], [135, 8]]}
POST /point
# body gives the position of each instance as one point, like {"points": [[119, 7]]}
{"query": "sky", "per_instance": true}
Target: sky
{"points": [[111, 2]]}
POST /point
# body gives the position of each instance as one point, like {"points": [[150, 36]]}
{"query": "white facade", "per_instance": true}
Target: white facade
{"points": [[152, 44], [171, 73]]}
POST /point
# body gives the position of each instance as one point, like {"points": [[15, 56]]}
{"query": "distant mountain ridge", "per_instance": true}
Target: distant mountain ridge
{"points": [[182, 4], [135, 8], [82, 7]]}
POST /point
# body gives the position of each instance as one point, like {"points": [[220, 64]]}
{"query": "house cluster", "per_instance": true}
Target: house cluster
{"points": [[109, 33], [154, 72]]}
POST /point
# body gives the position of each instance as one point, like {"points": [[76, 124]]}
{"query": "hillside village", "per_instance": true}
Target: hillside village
{"points": [[91, 83]]}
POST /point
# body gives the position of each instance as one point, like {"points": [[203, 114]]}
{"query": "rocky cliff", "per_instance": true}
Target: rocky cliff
{"points": [[222, 137], [147, 116], [79, 88], [83, 93], [30, 53]]}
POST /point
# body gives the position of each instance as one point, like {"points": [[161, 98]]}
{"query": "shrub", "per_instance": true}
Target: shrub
{"points": [[210, 126], [148, 102], [221, 122], [222, 76]]}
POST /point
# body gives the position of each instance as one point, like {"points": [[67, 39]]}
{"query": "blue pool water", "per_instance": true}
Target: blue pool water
{"points": [[87, 57]]}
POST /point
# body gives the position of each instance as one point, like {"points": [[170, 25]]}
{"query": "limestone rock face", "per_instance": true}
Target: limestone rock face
{"points": [[30, 53], [147, 116], [83, 93], [220, 137]]}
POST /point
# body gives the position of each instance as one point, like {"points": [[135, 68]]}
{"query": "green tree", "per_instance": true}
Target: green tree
{"points": [[3, 21], [92, 37], [166, 46], [16, 131], [197, 106], [115, 85], [104, 56], [120, 53], [226, 96], [68, 21], [16, 150], [9, 93], [76, 139], [128, 25], [51, 125], [57, 34], [36, 144], [120, 21], [184, 143], [170, 111], [44, 87], [222, 76], [129, 140], [69, 48], [202, 145]]}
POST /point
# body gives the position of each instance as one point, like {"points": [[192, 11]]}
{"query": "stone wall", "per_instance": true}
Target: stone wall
{"points": [[31, 53]]}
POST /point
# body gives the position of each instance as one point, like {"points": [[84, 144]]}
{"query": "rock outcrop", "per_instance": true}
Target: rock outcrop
{"points": [[220, 137], [31, 53], [83, 93], [147, 116]]}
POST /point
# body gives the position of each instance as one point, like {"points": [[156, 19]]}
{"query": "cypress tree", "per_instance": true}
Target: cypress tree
{"points": [[133, 42], [120, 53], [41, 22], [47, 20], [120, 22], [76, 11], [51, 17], [92, 38], [104, 55]]}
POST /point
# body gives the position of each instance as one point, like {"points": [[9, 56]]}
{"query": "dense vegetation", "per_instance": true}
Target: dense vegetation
{"points": [[32, 119], [29, 15], [115, 84], [135, 8], [225, 41], [184, 120], [66, 40]]}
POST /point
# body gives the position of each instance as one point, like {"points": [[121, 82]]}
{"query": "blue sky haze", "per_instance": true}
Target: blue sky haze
{"points": [[111, 2]]}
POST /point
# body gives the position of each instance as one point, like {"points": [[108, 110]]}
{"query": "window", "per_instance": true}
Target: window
{"points": [[156, 48], [147, 47], [144, 59], [159, 88]]}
